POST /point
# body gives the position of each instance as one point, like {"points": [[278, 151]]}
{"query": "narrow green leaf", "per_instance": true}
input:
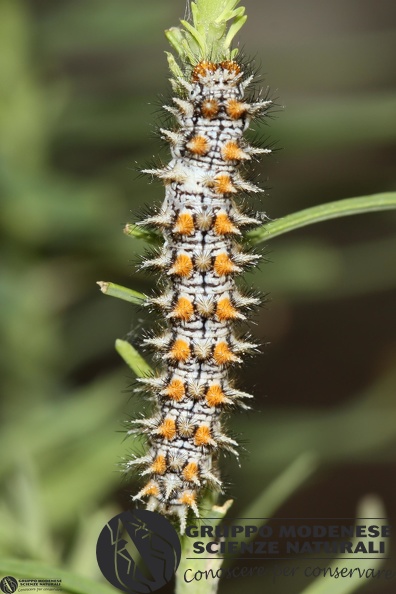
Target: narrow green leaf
{"points": [[176, 71], [323, 212], [177, 39], [134, 230], [121, 292], [132, 358], [198, 38], [235, 27], [71, 582]]}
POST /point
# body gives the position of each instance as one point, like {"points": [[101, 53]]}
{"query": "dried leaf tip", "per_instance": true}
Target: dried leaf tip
{"points": [[103, 286]]}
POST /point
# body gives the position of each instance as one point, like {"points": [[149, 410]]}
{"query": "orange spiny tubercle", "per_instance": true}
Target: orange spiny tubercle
{"points": [[224, 185], [223, 265], [215, 396], [184, 224], [150, 489], [225, 310], [180, 350], [167, 429], [184, 309], [175, 390], [202, 436], [159, 465], [183, 266], [223, 355], [190, 472], [198, 145], [224, 226], [232, 152], [210, 108], [235, 109]]}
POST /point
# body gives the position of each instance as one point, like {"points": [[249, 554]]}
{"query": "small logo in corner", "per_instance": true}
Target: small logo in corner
{"points": [[138, 551], [9, 584]]}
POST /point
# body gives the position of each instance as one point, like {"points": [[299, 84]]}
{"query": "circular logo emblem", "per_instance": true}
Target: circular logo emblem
{"points": [[138, 551], [9, 584]]}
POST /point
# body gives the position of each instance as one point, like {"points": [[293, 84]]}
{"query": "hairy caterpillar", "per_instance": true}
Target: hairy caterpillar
{"points": [[201, 223]]}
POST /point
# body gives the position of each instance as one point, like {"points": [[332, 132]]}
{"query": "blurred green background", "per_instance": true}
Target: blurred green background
{"points": [[81, 87]]}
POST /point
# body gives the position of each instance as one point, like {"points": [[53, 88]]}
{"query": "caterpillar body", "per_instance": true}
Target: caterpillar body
{"points": [[200, 222]]}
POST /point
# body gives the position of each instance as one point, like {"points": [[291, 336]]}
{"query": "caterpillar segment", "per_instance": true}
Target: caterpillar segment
{"points": [[200, 258]]}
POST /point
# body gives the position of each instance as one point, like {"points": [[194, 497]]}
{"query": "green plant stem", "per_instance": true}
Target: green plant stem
{"points": [[187, 566], [323, 212]]}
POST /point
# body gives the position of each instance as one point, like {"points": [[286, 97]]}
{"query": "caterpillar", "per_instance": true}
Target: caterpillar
{"points": [[201, 224]]}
